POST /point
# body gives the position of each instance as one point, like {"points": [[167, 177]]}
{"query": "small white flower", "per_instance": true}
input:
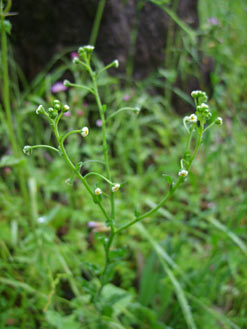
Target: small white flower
{"points": [[98, 191], [195, 93], [192, 118], [115, 188], [41, 219], [219, 121], [84, 132], [183, 173]]}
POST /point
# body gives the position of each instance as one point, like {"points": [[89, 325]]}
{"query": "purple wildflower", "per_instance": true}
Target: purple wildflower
{"points": [[99, 123], [213, 21], [74, 54], [58, 87], [126, 97]]}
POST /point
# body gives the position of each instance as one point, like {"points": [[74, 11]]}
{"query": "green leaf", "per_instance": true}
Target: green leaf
{"points": [[9, 161], [168, 179]]}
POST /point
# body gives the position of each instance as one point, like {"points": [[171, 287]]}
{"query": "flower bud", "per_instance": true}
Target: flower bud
{"points": [[76, 60], [116, 63], [52, 112], [84, 131], [116, 187], [85, 49], [219, 121], [66, 83], [40, 110], [66, 108], [27, 150], [199, 96]]}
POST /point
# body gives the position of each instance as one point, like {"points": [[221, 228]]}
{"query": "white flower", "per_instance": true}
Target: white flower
{"points": [[84, 131], [98, 191], [183, 173], [192, 118], [115, 188], [219, 121]]}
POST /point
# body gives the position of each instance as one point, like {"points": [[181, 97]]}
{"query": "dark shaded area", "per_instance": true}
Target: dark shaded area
{"points": [[44, 28]]}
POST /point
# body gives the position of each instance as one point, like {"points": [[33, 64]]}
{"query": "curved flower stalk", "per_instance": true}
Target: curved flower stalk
{"points": [[196, 124]]}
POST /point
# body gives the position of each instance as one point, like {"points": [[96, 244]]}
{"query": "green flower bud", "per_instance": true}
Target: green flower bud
{"points": [[219, 121], [52, 112], [116, 63], [85, 50], [27, 150], [66, 83], [40, 110], [76, 60], [66, 108]]}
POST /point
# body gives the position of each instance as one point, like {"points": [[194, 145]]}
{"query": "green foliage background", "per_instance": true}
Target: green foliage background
{"points": [[193, 252]]}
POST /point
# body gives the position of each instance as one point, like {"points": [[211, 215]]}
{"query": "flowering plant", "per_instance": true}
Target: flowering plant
{"points": [[195, 124]]}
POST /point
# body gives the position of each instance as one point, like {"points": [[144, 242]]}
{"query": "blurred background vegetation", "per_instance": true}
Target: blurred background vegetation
{"points": [[194, 251]]}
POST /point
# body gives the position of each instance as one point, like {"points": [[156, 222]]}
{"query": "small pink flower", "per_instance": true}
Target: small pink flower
{"points": [[99, 123], [79, 113], [213, 21], [126, 97], [7, 170], [58, 87], [67, 114], [85, 105]]}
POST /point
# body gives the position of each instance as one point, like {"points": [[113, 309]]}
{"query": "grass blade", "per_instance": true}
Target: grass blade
{"points": [[177, 287]]}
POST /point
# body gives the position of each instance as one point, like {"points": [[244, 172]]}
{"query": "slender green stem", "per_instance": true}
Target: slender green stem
{"points": [[74, 169], [45, 146], [209, 126], [70, 84], [70, 133], [104, 137], [97, 21], [92, 173], [6, 99], [134, 109]]}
